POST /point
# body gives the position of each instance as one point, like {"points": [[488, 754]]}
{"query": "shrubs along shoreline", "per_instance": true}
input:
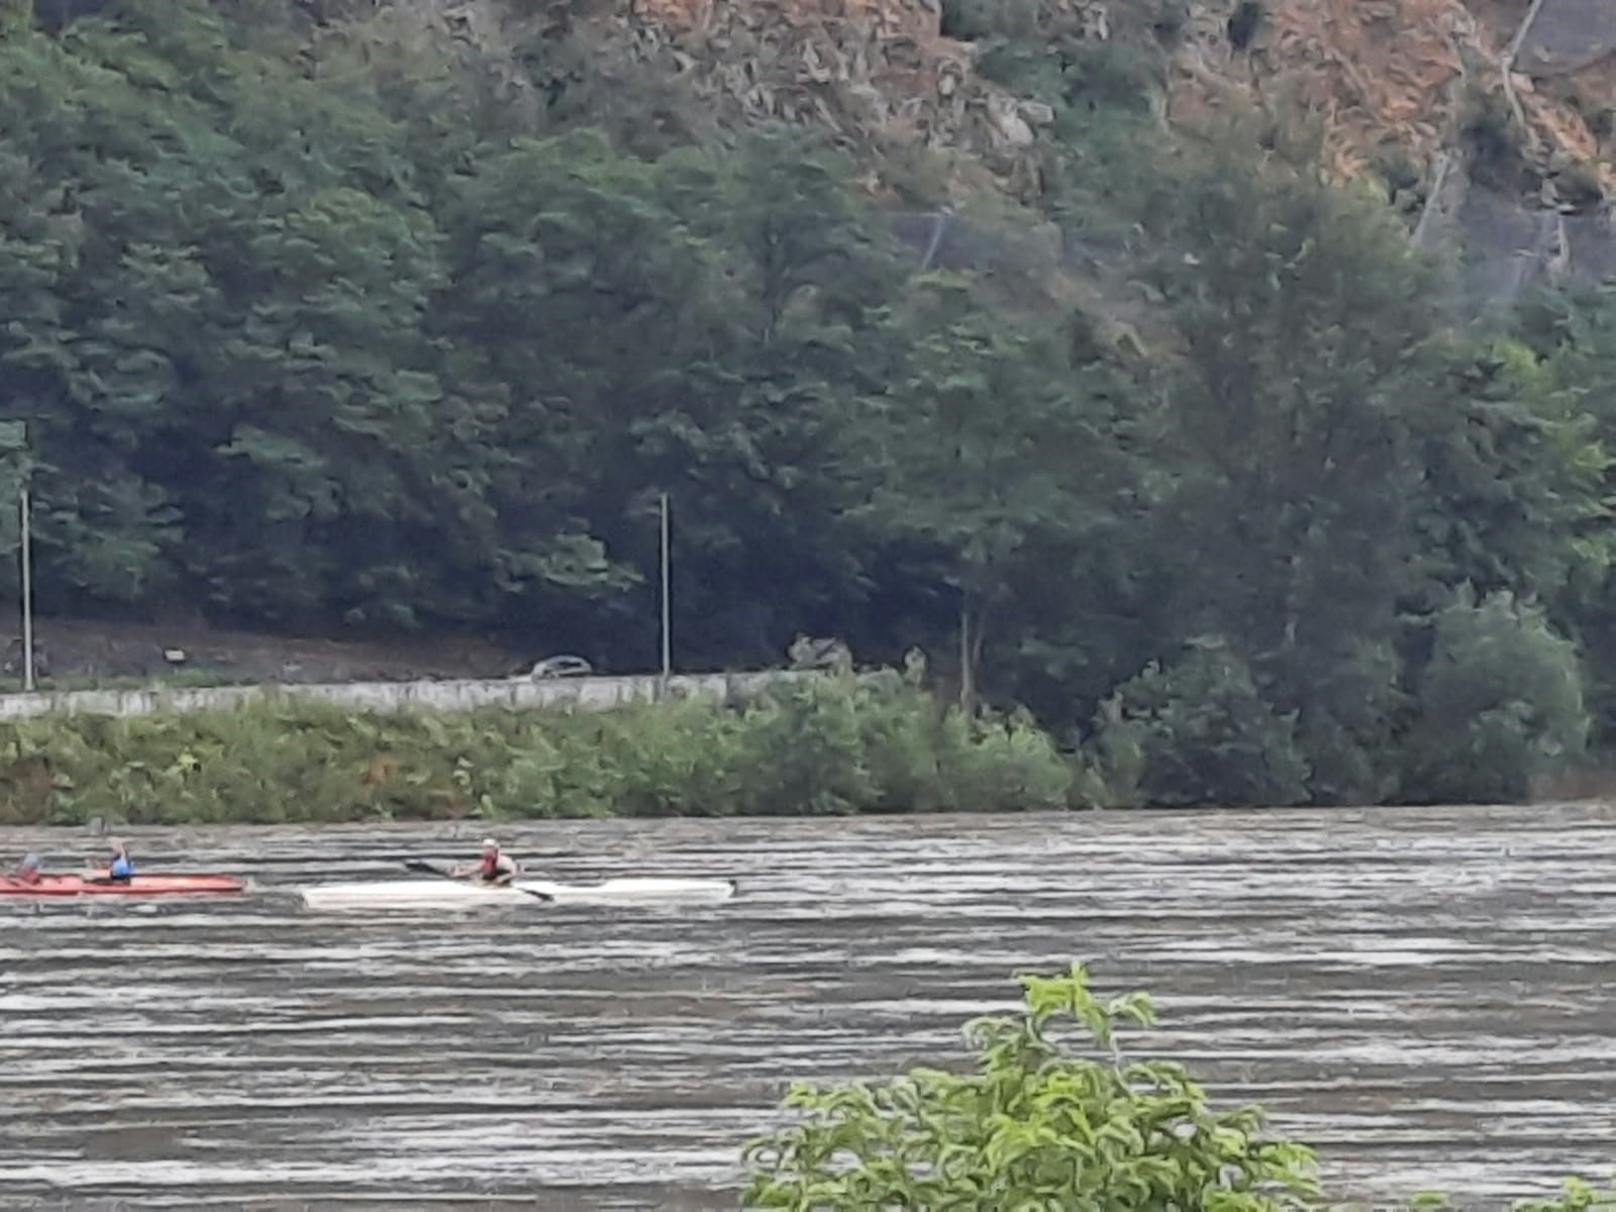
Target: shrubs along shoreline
{"points": [[834, 745], [826, 747]]}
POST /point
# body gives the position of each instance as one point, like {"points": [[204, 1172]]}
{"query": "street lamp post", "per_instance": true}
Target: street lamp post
{"points": [[667, 616], [14, 440], [27, 595]]}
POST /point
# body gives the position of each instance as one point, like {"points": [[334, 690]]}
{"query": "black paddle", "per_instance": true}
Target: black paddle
{"points": [[434, 869]]}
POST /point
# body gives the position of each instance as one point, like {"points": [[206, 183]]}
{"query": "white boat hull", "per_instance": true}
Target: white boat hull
{"points": [[460, 894]]}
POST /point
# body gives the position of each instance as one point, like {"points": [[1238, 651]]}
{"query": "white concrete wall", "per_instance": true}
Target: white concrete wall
{"points": [[589, 694]]}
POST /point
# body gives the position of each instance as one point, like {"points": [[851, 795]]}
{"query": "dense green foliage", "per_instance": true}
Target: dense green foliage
{"points": [[828, 746], [312, 325], [1578, 1196], [1032, 1127], [1035, 1124], [1171, 736], [1499, 702]]}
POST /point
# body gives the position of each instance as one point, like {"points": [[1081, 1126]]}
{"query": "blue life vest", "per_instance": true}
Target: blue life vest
{"points": [[121, 868]]}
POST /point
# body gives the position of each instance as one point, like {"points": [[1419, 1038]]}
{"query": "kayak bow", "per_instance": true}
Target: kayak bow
{"points": [[140, 885]]}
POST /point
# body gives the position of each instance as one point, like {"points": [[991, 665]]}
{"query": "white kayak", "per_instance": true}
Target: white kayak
{"points": [[461, 894]]}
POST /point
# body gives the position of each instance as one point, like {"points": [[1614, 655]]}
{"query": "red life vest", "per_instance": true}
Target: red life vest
{"points": [[490, 866]]}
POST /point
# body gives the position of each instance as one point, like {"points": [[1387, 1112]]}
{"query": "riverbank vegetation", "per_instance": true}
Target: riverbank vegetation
{"points": [[836, 744], [832, 746], [1042, 1120], [313, 324]]}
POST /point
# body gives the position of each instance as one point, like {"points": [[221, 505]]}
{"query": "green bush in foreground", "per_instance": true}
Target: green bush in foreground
{"points": [[1579, 1196], [1037, 1129], [832, 745], [1034, 1127]]}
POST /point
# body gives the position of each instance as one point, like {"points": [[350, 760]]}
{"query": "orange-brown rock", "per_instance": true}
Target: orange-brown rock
{"points": [[1388, 78], [1407, 75]]}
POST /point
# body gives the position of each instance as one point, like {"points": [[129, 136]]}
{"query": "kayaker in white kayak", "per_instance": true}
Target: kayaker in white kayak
{"points": [[495, 866]]}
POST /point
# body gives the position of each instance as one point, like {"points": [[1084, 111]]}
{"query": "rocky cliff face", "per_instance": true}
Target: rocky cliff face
{"points": [[1491, 124], [1411, 76]]}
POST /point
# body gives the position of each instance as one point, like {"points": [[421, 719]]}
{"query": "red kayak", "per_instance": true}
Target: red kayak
{"points": [[140, 885]]}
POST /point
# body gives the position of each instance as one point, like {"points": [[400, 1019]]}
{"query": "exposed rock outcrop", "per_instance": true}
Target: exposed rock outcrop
{"points": [[1491, 123]]}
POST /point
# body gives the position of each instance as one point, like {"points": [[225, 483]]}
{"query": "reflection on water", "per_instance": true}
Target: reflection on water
{"points": [[1429, 995]]}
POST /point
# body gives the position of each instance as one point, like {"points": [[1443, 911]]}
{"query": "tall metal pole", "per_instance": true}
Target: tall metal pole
{"points": [[667, 622], [27, 596]]}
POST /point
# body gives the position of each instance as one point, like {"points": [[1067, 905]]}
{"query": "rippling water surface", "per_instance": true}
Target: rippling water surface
{"points": [[1430, 996]]}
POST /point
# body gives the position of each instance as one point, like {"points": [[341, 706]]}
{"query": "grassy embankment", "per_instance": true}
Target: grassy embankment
{"points": [[832, 746]]}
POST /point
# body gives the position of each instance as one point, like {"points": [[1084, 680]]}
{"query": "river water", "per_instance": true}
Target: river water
{"points": [[1429, 996]]}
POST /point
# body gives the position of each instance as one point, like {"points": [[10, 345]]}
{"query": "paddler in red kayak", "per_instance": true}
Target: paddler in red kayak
{"points": [[121, 869], [28, 871], [495, 867]]}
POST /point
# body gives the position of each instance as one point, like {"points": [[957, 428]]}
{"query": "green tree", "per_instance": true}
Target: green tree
{"points": [[758, 435], [102, 525], [16, 17], [1289, 436], [1199, 732], [235, 398], [1035, 1125], [1515, 473], [1574, 336], [587, 303], [37, 247], [1499, 703], [996, 454]]}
